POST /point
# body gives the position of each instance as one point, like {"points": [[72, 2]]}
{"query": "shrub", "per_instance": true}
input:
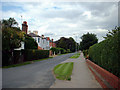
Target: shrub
{"points": [[58, 50], [68, 51], [30, 43], [85, 52], [106, 54], [9, 59], [33, 54]]}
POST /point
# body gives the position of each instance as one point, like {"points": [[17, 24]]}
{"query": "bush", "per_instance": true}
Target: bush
{"points": [[9, 59], [33, 54], [20, 56], [68, 51], [85, 52], [106, 54], [30, 43], [58, 50]]}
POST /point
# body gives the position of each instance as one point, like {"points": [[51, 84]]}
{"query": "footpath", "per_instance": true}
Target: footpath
{"points": [[81, 77]]}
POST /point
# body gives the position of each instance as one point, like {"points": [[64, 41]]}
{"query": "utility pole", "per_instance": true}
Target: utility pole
{"points": [[21, 22], [76, 42]]}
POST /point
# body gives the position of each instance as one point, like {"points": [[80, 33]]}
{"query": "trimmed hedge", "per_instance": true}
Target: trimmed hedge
{"points": [[20, 56], [9, 59], [33, 54], [107, 54]]}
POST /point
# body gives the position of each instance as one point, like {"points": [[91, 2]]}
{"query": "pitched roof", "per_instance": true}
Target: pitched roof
{"points": [[33, 35]]}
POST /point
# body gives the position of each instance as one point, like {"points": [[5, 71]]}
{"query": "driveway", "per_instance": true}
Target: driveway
{"points": [[35, 75]]}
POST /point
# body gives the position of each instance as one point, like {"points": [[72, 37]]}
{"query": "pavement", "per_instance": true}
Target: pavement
{"points": [[81, 77], [35, 75]]}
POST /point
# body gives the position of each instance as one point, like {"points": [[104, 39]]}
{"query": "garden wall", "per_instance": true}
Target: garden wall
{"points": [[105, 78]]}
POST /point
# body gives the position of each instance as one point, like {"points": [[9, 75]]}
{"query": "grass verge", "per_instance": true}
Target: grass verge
{"points": [[25, 63], [63, 71], [75, 56]]}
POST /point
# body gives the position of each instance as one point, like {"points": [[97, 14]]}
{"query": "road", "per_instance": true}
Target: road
{"points": [[35, 75]]}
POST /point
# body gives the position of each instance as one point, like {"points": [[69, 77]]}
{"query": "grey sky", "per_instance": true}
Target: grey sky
{"points": [[58, 19]]}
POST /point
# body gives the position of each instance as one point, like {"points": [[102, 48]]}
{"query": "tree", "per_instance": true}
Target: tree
{"points": [[87, 41], [66, 43], [112, 33], [30, 43], [11, 22], [11, 36]]}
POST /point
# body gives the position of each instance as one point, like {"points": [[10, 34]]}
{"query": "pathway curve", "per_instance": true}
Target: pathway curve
{"points": [[81, 77]]}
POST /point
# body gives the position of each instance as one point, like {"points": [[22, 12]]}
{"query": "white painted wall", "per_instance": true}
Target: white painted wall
{"points": [[43, 43], [22, 46]]}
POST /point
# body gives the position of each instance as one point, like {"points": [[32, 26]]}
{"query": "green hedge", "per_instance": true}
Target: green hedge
{"points": [[107, 54], [57, 50], [33, 54]]}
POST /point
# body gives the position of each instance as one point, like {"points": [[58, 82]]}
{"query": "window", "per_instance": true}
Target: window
{"points": [[38, 40]]}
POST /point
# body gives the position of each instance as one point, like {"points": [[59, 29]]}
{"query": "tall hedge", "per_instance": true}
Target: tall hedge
{"points": [[33, 54], [107, 54]]}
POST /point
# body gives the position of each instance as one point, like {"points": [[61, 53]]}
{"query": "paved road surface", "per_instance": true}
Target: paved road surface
{"points": [[36, 75]]}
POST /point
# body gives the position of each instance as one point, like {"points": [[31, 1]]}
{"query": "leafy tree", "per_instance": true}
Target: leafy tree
{"points": [[11, 22], [66, 43], [11, 36], [87, 41], [112, 33], [30, 43]]}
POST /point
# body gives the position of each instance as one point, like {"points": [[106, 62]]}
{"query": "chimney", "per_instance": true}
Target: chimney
{"points": [[42, 36], [35, 32], [48, 38], [25, 27], [52, 40]]}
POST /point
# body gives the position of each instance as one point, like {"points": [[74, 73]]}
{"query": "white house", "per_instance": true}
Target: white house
{"points": [[43, 42]]}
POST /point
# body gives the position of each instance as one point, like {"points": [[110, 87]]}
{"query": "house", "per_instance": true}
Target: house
{"points": [[44, 43]]}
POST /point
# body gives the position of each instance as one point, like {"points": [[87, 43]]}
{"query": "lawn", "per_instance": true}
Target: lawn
{"points": [[76, 55], [63, 71], [25, 63]]}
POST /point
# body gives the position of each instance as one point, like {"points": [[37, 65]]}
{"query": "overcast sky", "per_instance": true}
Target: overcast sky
{"points": [[68, 19]]}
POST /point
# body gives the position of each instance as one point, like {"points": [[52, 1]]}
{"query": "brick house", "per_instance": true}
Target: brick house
{"points": [[44, 43]]}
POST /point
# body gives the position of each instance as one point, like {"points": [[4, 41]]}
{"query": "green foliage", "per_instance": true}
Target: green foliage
{"points": [[30, 43], [107, 54], [87, 41], [68, 51], [58, 50], [34, 54], [85, 52], [54, 49], [75, 56], [112, 33], [66, 43], [9, 58], [11, 38], [16, 65], [63, 71], [25, 63], [11, 22]]}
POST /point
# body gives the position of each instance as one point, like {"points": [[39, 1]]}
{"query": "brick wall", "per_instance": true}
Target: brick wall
{"points": [[113, 80]]}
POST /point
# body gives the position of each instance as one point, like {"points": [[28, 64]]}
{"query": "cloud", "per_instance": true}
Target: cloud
{"points": [[58, 19]]}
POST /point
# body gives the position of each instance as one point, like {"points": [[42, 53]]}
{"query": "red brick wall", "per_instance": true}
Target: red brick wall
{"points": [[113, 80]]}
